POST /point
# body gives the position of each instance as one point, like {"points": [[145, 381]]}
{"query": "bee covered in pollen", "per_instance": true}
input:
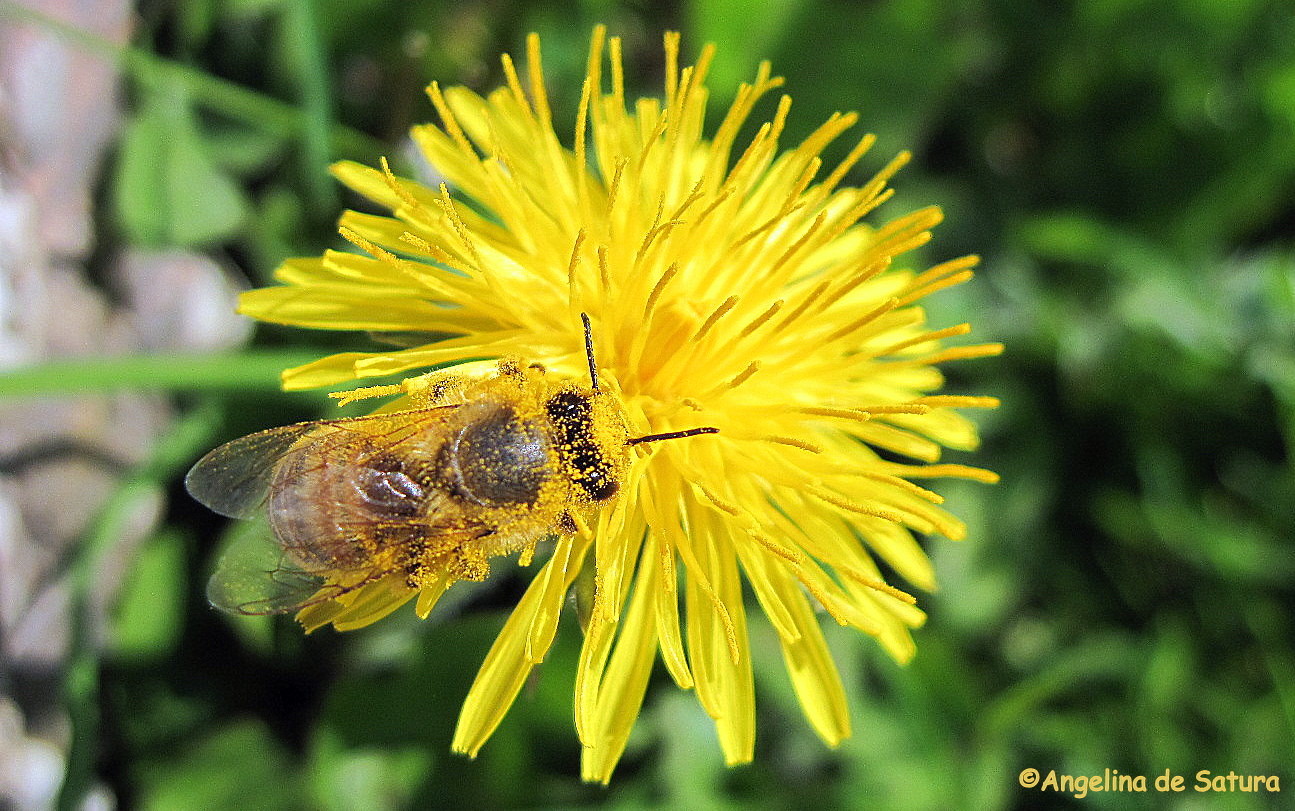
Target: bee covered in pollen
{"points": [[476, 469]]}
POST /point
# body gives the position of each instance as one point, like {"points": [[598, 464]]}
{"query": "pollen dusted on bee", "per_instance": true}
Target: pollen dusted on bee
{"points": [[478, 467]]}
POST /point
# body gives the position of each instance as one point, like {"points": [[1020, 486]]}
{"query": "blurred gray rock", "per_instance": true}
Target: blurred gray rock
{"points": [[61, 458]]}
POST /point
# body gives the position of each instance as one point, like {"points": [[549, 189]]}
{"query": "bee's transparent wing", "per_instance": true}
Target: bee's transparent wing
{"points": [[234, 478], [253, 576]]}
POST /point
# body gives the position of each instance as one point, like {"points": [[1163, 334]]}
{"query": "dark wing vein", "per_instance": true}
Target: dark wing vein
{"points": [[234, 479]]}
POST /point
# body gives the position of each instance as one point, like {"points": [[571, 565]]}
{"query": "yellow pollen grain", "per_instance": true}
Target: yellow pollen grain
{"points": [[809, 299], [515, 85], [721, 504], [397, 189], [581, 162], [949, 471], [951, 354], [671, 65], [835, 413], [449, 122], [435, 251], [726, 305], [744, 375], [794, 442], [828, 602], [925, 337], [798, 244], [761, 318], [345, 398], [878, 585], [535, 71], [573, 264], [958, 401], [651, 236], [904, 484], [603, 275], [693, 196], [864, 320], [936, 286], [850, 506], [658, 288], [447, 206], [944, 269], [865, 143], [790, 555], [614, 189], [869, 269], [527, 555], [898, 408], [618, 72]]}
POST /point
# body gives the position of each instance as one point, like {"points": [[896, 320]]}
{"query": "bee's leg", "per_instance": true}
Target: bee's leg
{"points": [[436, 389], [566, 524], [426, 390]]}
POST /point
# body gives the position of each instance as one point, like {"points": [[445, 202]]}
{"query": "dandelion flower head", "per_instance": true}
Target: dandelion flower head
{"points": [[730, 283]]}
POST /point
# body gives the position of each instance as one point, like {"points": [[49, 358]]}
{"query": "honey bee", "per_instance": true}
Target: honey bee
{"points": [[478, 468]]}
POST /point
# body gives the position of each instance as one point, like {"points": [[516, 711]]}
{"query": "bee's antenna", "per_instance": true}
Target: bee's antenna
{"points": [[589, 350], [641, 440]]}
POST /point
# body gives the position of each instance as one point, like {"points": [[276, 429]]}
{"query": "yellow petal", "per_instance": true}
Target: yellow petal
{"points": [[624, 683], [507, 665], [813, 673], [724, 682]]}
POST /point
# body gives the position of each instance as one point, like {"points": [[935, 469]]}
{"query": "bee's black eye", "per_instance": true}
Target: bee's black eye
{"points": [[593, 474], [573, 426], [599, 485], [568, 405], [571, 413]]}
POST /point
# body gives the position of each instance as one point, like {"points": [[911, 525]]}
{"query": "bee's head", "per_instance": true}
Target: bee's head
{"points": [[589, 428]]}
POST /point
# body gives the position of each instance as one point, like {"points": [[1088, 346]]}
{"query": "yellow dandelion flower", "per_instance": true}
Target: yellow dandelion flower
{"points": [[728, 285]]}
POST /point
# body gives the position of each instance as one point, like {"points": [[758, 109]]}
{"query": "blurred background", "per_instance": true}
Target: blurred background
{"points": [[1125, 597]]}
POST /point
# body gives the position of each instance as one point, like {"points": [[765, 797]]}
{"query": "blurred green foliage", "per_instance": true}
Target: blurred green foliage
{"points": [[1124, 601]]}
